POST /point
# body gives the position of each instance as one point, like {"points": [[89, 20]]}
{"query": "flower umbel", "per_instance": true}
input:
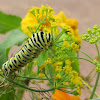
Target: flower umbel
{"points": [[93, 35]]}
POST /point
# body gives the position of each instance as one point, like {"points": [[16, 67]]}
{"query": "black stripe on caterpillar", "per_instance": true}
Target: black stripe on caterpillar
{"points": [[36, 43]]}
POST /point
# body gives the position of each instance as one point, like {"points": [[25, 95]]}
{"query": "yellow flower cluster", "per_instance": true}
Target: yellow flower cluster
{"points": [[71, 25], [58, 68], [44, 19], [66, 71], [58, 76], [75, 47], [65, 43], [74, 77], [49, 61], [42, 66], [37, 16], [41, 75]]}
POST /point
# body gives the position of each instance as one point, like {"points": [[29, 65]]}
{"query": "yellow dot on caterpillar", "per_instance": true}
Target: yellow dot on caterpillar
{"points": [[25, 52], [34, 36], [17, 63], [21, 58], [14, 58], [18, 53], [45, 43], [9, 63], [29, 42], [5, 66], [12, 67], [41, 46], [33, 47], [32, 51], [37, 42], [27, 47]]}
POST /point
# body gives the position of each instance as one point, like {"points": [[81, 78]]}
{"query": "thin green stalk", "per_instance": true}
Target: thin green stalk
{"points": [[31, 77], [90, 88], [59, 35], [86, 54], [20, 85], [38, 27], [97, 79], [41, 22], [92, 94], [97, 51], [82, 59], [48, 78]]}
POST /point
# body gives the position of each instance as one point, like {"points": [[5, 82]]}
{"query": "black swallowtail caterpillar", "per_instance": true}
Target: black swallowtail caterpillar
{"points": [[35, 44]]}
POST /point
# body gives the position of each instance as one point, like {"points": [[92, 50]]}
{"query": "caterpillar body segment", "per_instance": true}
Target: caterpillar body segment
{"points": [[36, 43]]}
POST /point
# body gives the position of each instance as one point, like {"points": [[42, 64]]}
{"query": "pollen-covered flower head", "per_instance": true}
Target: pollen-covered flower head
{"points": [[36, 16]]}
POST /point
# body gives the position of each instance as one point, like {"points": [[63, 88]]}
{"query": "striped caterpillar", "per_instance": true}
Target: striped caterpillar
{"points": [[36, 43]]}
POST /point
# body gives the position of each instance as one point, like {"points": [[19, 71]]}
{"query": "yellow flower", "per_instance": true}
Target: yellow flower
{"points": [[65, 43], [60, 95], [76, 37], [62, 16], [33, 18], [42, 66], [58, 68], [28, 21], [75, 47], [72, 22], [49, 61], [58, 76], [70, 25], [35, 62], [41, 75], [68, 62], [64, 26]]}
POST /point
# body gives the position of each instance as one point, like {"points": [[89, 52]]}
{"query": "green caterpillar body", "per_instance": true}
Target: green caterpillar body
{"points": [[36, 43]]}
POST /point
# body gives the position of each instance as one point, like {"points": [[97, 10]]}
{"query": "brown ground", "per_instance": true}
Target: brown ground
{"points": [[85, 11]]}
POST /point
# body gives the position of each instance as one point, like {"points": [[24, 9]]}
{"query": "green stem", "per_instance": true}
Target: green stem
{"points": [[59, 35], [38, 27], [20, 85], [48, 78], [41, 22], [32, 77], [97, 79], [97, 51], [81, 58], [86, 54], [90, 88], [92, 94]]}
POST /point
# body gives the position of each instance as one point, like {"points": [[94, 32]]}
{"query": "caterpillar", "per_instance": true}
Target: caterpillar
{"points": [[36, 43]]}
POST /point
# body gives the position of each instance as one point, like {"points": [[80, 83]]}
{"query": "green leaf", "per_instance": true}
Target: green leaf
{"points": [[8, 22], [41, 58], [95, 99], [75, 64], [20, 92], [15, 37], [9, 94]]}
